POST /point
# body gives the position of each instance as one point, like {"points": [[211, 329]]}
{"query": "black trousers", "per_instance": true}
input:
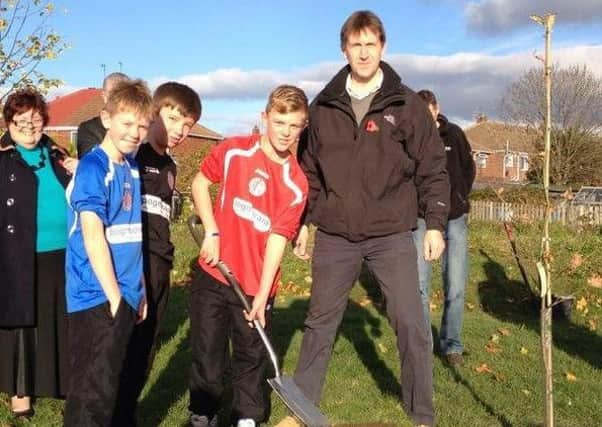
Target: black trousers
{"points": [[216, 316], [97, 348], [142, 346], [336, 265]]}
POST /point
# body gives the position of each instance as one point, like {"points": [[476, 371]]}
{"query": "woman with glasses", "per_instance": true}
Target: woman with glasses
{"points": [[33, 234]]}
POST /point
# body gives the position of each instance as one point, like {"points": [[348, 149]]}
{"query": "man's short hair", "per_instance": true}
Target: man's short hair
{"points": [[180, 97], [130, 95], [287, 99], [362, 20], [428, 97], [112, 79]]}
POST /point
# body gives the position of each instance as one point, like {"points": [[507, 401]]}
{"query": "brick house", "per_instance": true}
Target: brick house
{"points": [[68, 111], [501, 151]]}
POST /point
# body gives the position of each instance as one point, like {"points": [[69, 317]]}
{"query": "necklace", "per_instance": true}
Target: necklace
{"points": [[41, 163]]}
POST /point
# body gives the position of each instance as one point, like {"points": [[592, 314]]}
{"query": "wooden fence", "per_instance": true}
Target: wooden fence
{"points": [[565, 213]]}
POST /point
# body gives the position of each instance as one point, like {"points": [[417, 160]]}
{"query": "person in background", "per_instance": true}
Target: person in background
{"points": [[34, 172], [91, 132], [461, 171]]}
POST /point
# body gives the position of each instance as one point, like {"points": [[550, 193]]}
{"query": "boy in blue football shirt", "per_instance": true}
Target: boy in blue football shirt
{"points": [[105, 290]]}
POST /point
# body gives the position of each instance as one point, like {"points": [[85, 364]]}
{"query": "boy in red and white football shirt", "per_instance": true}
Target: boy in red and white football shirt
{"points": [[258, 208]]}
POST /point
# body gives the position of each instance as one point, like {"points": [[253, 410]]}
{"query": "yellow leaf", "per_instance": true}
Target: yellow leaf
{"points": [[526, 392], [483, 368], [433, 306], [504, 331], [581, 304], [523, 350], [592, 325], [308, 279], [470, 306], [595, 281], [364, 302], [570, 376], [494, 338], [576, 261], [382, 348]]}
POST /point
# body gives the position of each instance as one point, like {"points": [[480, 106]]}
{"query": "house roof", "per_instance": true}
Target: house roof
{"points": [[488, 136], [72, 109]]}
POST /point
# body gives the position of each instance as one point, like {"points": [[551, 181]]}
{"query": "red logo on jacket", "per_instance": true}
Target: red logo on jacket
{"points": [[371, 126]]}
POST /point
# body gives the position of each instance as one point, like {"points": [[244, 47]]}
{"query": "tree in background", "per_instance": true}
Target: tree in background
{"points": [[25, 41], [576, 139]]}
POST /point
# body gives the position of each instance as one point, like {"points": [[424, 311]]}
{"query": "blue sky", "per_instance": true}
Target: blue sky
{"points": [[234, 52]]}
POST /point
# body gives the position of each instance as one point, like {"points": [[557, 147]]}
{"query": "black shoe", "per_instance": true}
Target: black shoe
{"points": [[454, 359], [25, 414]]}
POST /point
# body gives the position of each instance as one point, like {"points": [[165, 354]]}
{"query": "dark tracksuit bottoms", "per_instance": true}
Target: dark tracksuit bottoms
{"points": [[216, 316], [142, 347], [97, 347], [336, 266]]}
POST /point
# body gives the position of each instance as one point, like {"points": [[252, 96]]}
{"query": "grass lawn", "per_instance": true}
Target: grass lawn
{"points": [[500, 384]]}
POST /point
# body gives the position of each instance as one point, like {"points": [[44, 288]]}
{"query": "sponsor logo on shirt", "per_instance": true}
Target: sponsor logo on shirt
{"points": [[154, 205], [124, 233], [390, 118], [126, 201], [150, 169], [245, 210], [257, 186]]}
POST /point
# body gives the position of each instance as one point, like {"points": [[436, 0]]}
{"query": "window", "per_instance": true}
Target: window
{"points": [[481, 160], [508, 161], [524, 163]]}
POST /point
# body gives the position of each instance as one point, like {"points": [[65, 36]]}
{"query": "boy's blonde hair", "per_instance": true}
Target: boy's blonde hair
{"points": [[130, 95], [180, 97], [287, 99]]}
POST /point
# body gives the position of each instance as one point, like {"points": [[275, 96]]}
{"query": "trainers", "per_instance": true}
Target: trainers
{"points": [[288, 421], [246, 422], [454, 359], [202, 421]]}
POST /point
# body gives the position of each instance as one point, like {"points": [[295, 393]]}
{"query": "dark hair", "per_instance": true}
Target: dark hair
{"points": [[22, 101], [178, 96], [362, 20], [428, 97], [287, 99]]}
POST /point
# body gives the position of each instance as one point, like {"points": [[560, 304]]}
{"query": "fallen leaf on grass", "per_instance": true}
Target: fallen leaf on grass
{"points": [[499, 377], [433, 306], [382, 348], [581, 304], [483, 369], [526, 392], [364, 302], [308, 279], [494, 338], [504, 331], [576, 261], [523, 350], [492, 348], [592, 325], [595, 281], [470, 306], [570, 376]]}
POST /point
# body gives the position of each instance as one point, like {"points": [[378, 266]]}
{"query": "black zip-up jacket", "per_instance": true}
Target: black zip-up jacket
{"points": [[460, 166], [366, 178], [18, 231]]}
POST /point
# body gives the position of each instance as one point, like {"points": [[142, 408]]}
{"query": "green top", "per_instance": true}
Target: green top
{"points": [[52, 204]]}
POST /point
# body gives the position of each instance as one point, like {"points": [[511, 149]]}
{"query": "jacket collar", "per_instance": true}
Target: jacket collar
{"points": [[336, 88]]}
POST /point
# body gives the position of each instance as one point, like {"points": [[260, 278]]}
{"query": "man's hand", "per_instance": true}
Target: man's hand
{"points": [[210, 249], [257, 310], [142, 310], [300, 248], [70, 164], [433, 245]]}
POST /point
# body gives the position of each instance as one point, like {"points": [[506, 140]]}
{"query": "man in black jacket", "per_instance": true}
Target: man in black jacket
{"points": [[372, 151], [461, 171], [91, 132]]}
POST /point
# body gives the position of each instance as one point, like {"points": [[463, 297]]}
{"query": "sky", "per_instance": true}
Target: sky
{"points": [[233, 53]]}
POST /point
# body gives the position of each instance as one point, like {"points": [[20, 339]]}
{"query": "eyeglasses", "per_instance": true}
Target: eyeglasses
{"points": [[35, 123]]}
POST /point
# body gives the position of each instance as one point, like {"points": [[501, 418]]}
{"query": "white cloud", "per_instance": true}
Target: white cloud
{"points": [[497, 16]]}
